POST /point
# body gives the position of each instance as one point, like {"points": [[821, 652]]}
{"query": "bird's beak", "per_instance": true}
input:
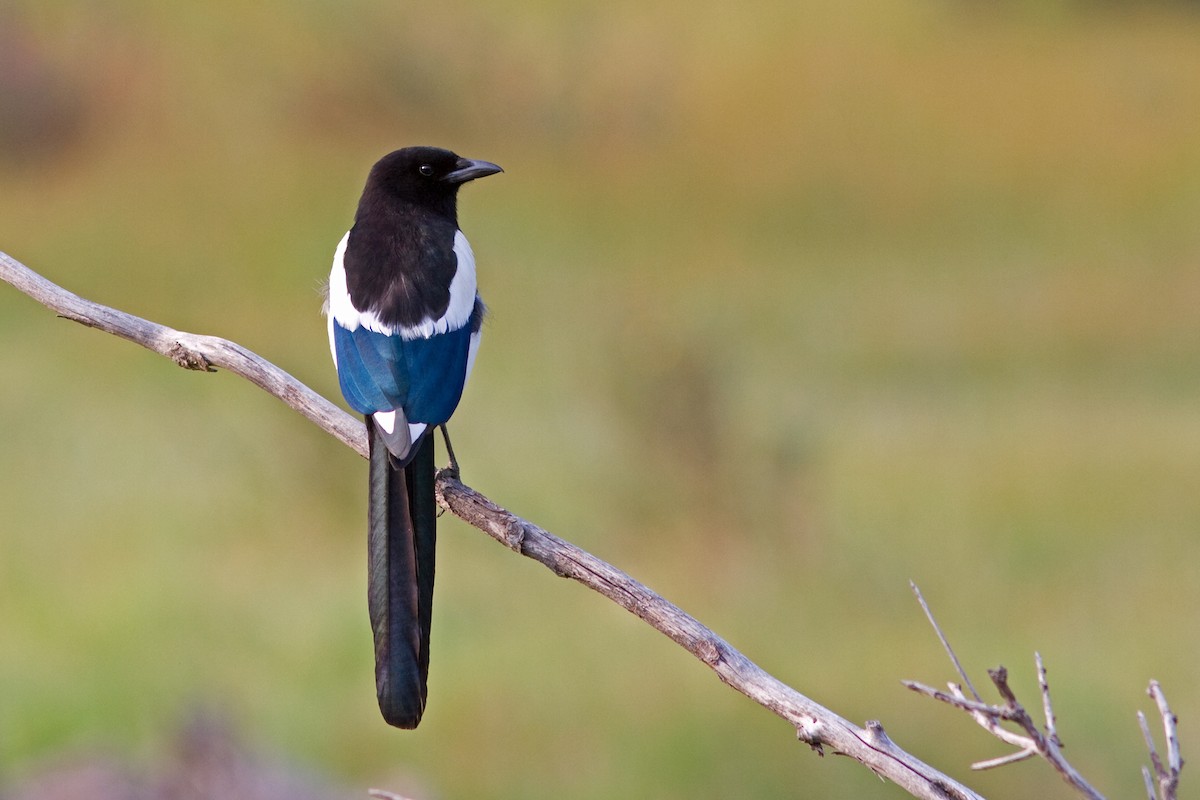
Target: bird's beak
{"points": [[468, 170]]}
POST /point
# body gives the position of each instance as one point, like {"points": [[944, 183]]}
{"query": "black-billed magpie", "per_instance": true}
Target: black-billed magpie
{"points": [[404, 321]]}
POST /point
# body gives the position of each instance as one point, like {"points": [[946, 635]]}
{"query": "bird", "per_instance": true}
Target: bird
{"points": [[404, 318]]}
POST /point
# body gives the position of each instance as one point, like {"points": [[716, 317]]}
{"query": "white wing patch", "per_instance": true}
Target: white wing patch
{"points": [[338, 305], [472, 351], [458, 312]]}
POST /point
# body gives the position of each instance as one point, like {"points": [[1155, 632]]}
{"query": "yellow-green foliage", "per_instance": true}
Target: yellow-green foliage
{"points": [[791, 303]]}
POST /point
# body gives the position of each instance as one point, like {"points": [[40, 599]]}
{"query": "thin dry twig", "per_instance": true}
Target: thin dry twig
{"points": [[942, 638], [814, 724], [1047, 708], [1162, 784], [1165, 778], [1031, 740]]}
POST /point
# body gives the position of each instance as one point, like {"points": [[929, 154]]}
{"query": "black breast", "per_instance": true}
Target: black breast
{"points": [[399, 262]]}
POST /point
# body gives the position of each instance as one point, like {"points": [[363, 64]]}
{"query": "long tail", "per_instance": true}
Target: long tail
{"points": [[401, 539]]}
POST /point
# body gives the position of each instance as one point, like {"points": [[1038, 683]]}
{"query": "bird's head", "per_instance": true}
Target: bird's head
{"points": [[430, 173]]}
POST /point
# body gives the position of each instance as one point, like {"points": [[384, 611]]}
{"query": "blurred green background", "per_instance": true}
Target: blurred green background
{"points": [[791, 303]]}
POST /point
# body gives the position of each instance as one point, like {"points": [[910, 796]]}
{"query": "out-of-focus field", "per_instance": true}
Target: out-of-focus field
{"points": [[791, 303]]}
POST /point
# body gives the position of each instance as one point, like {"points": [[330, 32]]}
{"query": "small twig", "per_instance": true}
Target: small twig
{"points": [[1166, 776], [1146, 779], [1047, 708], [1000, 761], [1170, 728], [1149, 740], [945, 642], [1033, 740], [957, 699]]}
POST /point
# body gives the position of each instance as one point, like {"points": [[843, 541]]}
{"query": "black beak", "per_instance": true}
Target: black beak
{"points": [[468, 170]]}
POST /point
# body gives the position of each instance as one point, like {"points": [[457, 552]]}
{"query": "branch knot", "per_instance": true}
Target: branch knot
{"points": [[812, 733], [188, 358], [708, 651]]}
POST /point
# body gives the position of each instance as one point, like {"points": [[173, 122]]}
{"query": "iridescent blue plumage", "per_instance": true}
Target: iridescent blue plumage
{"points": [[424, 377]]}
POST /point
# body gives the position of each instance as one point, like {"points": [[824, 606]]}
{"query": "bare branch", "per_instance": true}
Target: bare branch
{"points": [[1166, 776], [942, 638], [1000, 761], [1146, 773], [1149, 740], [814, 724], [1047, 708], [190, 351], [957, 699], [1155, 761], [1044, 741], [1032, 739], [1170, 723]]}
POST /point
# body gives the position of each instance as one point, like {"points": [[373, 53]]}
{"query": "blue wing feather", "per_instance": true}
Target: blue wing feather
{"points": [[359, 387], [424, 377]]}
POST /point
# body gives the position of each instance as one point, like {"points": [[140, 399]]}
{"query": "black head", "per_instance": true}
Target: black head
{"points": [[425, 175]]}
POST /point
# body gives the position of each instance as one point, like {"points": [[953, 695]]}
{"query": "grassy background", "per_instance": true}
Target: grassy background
{"points": [[791, 304]]}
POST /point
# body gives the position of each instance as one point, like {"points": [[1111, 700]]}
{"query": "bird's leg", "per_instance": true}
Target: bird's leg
{"points": [[449, 450]]}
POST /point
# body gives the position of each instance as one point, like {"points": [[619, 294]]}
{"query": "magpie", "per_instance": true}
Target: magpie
{"points": [[404, 319]]}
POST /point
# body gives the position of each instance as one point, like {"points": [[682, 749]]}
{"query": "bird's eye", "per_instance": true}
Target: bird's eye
{"points": [[425, 169]]}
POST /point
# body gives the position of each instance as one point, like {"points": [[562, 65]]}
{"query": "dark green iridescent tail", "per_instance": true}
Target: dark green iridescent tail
{"points": [[401, 540]]}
